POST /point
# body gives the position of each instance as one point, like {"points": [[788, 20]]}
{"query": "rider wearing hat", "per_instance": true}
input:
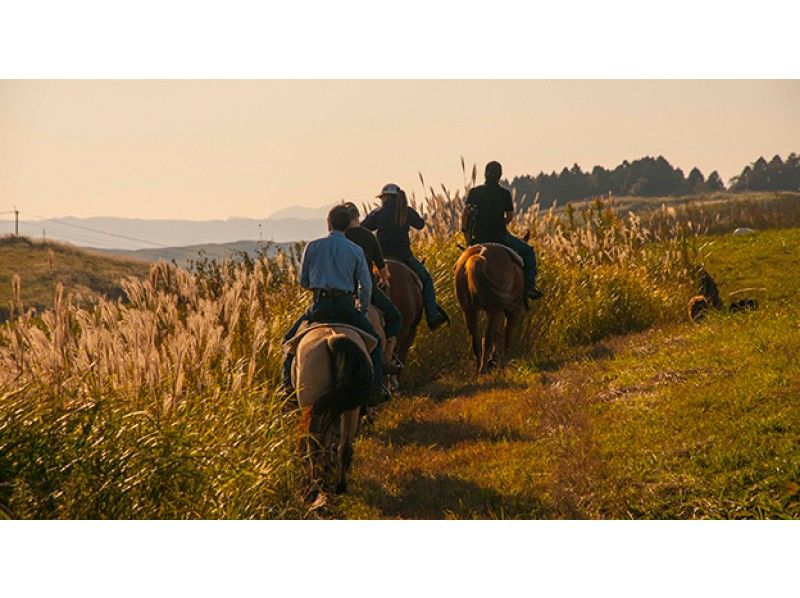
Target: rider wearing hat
{"points": [[391, 221], [372, 251], [488, 210]]}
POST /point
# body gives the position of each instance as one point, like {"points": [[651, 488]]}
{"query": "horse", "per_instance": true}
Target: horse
{"points": [[332, 373], [488, 277], [405, 291]]}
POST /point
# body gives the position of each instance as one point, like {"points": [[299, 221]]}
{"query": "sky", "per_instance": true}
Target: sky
{"points": [[202, 150]]}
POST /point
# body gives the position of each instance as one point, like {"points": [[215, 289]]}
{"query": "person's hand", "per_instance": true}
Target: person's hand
{"points": [[385, 278]]}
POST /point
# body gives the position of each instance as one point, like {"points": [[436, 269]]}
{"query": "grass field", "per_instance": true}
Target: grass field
{"points": [[680, 421], [614, 405], [43, 266]]}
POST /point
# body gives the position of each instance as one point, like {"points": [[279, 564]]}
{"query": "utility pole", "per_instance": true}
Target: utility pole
{"points": [[16, 222]]}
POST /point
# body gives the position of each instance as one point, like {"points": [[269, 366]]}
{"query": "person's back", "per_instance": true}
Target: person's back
{"points": [[489, 204], [392, 232], [488, 210]]}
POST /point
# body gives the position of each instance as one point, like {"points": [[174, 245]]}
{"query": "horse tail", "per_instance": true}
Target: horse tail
{"points": [[483, 286], [352, 377]]}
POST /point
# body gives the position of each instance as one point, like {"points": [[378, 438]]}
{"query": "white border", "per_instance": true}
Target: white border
{"points": [[398, 558], [410, 39]]}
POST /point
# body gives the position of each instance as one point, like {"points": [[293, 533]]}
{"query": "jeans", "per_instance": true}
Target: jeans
{"points": [[392, 315], [428, 292], [525, 251], [357, 319]]}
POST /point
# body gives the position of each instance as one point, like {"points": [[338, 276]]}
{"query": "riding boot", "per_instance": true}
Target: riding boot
{"points": [[435, 316], [390, 360]]}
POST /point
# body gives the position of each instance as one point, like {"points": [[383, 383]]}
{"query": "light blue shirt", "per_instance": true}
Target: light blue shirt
{"points": [[336, 263]]}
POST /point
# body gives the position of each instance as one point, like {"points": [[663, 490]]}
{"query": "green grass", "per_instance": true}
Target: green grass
{"points": [[680, 421], [42, 266]]}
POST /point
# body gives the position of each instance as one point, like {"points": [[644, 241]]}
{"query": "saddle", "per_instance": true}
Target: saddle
{"points": [[290, 346], [416, 277], [517, 257]]}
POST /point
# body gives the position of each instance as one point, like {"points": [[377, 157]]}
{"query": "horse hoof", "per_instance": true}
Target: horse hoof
{"points": [[312, 495]]}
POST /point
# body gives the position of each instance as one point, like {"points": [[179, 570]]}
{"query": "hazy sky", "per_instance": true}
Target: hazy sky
{"points": [[213, 149]]}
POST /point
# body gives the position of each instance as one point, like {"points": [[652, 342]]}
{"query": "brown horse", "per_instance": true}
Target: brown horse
{"points": [[332, 373], [489, 278], [405, 291]]}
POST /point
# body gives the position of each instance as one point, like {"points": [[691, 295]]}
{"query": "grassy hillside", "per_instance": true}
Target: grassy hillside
{"points": [[42, 266], [679, 421], [184, 256], [167, 407]]}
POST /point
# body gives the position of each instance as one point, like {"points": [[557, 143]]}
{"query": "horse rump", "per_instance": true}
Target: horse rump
{"points": [[489, 282], [352, 378]]}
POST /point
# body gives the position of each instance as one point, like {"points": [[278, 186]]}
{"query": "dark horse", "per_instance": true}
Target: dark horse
{"points": [[489, 278], [406, 293]]}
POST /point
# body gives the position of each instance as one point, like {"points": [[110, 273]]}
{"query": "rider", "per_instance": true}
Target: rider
{"points": [[488, 210], [372, 250], [392, 221], [335, 269]]}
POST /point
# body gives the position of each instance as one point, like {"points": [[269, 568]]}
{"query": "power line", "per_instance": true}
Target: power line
{"points": [[59, 222], [95, 230]]}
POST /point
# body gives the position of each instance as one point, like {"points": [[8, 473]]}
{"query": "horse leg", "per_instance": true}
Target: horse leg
{"points": [[309, 423], [489, 341], [471, 318], [349, 425], [513, 317]]}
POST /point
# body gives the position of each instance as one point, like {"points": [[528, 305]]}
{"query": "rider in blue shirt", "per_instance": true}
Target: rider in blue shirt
{"points": [[336, 270]]}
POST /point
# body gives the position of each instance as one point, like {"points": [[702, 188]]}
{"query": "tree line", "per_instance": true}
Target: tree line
{"points": [[650, 177]]}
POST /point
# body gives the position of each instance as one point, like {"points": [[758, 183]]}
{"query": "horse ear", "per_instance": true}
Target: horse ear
{"points": [[527, 236]]}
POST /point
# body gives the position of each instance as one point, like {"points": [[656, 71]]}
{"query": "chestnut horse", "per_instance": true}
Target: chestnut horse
{"points": [[406, 293], [488, 278]]}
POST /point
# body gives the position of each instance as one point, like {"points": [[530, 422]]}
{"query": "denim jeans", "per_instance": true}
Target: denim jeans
{"points": [[347, 305], [428, 292], [392, 315], [525, 251]]}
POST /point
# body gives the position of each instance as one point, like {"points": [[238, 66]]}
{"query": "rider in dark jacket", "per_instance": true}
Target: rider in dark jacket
{"points": [[391, 221], [489, 209], [375, 262]]}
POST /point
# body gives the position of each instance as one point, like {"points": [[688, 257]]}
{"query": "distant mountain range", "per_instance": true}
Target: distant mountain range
{"points": [[184, 255], [291, 224]]}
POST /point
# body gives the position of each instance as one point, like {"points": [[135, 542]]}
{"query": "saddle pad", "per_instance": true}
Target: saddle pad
{"points": [[514, 254], [290, 346], [417, 279]]}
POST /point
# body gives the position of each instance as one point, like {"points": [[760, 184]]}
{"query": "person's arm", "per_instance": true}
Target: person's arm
{"points": [[305, 282], [465, 219], [414, 219], [364, 280], [370, 221], [380, 264], [508, 207]]}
